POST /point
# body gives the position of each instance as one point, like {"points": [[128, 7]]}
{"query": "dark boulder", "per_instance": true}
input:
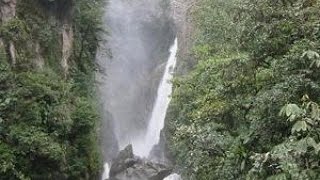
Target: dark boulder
{"points": [[128, 167]]}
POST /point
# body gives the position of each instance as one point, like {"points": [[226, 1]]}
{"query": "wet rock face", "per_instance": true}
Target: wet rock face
{"points": [[124, 161], [7, 9], [128, 167], [160, 152], [183, 10], [7, 12]]}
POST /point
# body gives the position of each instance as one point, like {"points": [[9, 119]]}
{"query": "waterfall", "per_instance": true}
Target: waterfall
{"points": [[156, 122], [135, 92], [142, 147], [105, 174]]}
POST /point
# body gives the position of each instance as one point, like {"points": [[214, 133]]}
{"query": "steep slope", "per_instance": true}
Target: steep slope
{"points": [[182, 11], [48, 118], [249, 109]]}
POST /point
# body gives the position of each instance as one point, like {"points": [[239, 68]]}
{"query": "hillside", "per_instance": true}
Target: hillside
{"points": [[249, 108], [89, 82], [48, 111]]}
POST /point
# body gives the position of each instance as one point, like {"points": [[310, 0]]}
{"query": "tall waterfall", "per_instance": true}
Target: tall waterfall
{"points": [[136, 88], [156, 122]]}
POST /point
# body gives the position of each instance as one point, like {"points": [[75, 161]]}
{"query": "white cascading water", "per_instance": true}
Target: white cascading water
{"points": [[173, 177], [160, 107], [156, 122], [105, 174]]}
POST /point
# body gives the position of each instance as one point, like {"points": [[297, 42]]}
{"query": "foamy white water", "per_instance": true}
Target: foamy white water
{"points": [[173, 177], [156, 122], [106, 171]]}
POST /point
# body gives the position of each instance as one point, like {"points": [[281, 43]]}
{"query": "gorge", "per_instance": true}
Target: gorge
{"points": [[158, 89]]}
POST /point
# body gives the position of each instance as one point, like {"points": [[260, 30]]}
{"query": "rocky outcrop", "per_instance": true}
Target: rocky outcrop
{"points": [[185, 32], [128, 167], [160, 152], [39, 61], [62, 10], [67, 41], [7, 12]]}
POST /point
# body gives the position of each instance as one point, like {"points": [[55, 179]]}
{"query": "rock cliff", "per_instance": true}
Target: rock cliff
{"points": [[7, 12], [59, 10], [182, 10]]}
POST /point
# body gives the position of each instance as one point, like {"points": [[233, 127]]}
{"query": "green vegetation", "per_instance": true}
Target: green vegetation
{"points": [[249, 109], [48, 122]]}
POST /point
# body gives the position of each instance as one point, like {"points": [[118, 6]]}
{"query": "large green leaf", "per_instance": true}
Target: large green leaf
{"points": [[300, 126], [292, 111]]}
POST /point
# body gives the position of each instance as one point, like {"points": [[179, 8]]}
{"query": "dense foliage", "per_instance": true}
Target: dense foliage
{"points": [[48, 121], [249, 109]]}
